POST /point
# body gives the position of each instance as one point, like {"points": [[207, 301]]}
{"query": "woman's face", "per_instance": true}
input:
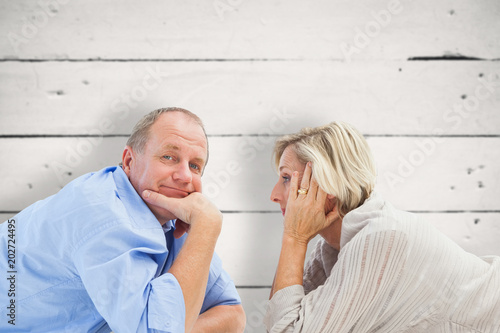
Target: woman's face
{"points": [[289, 163]]}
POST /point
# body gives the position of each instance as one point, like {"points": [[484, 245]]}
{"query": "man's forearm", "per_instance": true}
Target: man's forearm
{"points": [[191, 269], [220, 319]]}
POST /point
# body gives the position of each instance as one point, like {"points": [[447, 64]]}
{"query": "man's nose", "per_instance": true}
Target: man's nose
{"points": [[183, 173]]}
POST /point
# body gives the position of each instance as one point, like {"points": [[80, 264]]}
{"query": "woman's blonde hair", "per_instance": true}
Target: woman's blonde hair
{"points": [[342, 162]]}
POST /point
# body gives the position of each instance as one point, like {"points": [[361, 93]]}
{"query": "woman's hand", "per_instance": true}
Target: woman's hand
{"points": [[305, 213]]}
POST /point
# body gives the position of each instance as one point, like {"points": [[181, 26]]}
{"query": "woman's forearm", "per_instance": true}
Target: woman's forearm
{"points": [[290, 269]]}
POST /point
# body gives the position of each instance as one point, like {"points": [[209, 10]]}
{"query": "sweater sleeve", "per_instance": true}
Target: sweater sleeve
{"points": [[357, 293]]}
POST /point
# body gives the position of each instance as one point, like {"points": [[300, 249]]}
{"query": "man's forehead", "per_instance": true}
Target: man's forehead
{"points": [[181, 126], [179, 122], [178, 143]]}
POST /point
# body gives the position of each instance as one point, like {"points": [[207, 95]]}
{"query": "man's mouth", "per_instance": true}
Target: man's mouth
{"points": [[173, 192], [283, 211]]}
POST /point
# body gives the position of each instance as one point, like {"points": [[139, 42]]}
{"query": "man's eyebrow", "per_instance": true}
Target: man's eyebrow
{"points": [[199, 161], [169, 146]]}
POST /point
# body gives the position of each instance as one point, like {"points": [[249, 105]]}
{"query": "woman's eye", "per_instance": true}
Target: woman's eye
{"points": [[286, 179], [194, 166], [167, 157]]}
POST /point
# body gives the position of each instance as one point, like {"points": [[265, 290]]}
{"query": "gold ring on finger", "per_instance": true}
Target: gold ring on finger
{"points": [[302, 191]]}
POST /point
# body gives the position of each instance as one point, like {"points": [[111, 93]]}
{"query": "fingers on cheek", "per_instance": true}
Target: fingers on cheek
{"points": [[150, 196]]}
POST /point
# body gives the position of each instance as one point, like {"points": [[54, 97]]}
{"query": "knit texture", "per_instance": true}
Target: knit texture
{"points": [[394, 273]]}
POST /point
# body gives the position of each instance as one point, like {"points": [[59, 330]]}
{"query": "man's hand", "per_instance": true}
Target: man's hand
{"points": [[192, 265], [190, 210]]}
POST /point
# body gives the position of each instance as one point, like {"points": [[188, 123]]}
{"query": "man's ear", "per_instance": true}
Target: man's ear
{"points": [[127, 159]]}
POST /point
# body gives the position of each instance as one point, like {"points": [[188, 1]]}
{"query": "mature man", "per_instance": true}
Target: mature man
{"points": [[109, 251]]}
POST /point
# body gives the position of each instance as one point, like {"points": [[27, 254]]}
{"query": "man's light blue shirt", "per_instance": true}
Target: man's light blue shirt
{"points": [[93, 258]]}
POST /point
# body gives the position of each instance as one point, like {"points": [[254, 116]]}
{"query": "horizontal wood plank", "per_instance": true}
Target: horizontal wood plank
{"points": [[420, 174], [254, 302], [250, 243], [234, 98], [340, 30], [5, 216]]}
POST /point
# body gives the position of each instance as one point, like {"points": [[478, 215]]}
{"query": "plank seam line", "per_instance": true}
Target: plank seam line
{"points": [[450, 58], [44, 136], [172, 60], [418, 58], [492, 211]]}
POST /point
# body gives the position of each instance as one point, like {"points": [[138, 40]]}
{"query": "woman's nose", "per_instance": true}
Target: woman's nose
{"points": [[275, 197]]}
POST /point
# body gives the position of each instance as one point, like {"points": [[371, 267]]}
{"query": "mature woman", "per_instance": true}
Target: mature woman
{"points": [[375, 268]]}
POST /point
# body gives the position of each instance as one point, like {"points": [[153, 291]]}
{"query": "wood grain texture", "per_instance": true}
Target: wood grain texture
{"points": [[421, 174], [254, 302], [380, 98], [249, 248], [75, 76], [223, 29], [250, 243]]}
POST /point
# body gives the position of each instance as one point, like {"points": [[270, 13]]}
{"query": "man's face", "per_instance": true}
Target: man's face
{"points": [[171, 162]]}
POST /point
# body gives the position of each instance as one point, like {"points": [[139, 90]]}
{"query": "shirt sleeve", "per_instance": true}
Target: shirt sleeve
{"points": [[367, 271], [220, 287], [117, 265]]}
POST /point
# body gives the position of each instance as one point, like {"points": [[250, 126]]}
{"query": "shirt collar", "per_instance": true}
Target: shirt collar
{"points": [[134, 202], [168, 226], [137, 209]]}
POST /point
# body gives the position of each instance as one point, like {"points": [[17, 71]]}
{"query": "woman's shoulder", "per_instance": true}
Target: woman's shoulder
{"points": [[378, 216]]}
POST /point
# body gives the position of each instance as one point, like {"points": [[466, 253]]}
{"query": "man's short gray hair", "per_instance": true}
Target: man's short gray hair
{"points": [[140, 134]]}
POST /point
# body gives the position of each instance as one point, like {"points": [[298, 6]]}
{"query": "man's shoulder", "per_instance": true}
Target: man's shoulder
{"points": [[92, 196]]}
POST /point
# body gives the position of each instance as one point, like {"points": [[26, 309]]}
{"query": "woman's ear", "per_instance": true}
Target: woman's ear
{"points": [[331, 202]]}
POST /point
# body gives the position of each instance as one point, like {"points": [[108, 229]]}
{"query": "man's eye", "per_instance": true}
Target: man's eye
{"points": [[194, 166], [167, 157]]}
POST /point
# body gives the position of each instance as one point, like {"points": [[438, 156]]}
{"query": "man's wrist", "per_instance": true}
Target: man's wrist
{"points": [[208, 227]]}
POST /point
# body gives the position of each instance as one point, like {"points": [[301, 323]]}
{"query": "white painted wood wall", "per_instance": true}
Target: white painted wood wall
{"points": [[421, 79]]}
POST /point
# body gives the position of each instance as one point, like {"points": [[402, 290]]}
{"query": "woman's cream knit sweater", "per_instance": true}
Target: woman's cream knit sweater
{"points": [[394, 273]]}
